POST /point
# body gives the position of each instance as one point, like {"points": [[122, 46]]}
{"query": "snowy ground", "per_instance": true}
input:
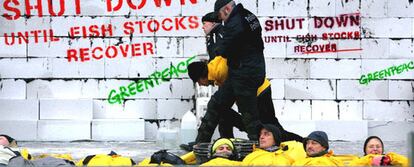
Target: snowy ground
{"points": [[140, 150]]}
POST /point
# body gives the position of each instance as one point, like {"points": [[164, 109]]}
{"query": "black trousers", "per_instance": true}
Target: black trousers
{"points": [[228, 118]]}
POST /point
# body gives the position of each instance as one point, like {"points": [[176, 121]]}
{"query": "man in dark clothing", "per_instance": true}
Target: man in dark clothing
{"points": [[214, 32], [242, 45]]}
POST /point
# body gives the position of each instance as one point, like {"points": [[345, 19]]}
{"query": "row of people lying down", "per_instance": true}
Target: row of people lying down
{"points": [[313, 151]]}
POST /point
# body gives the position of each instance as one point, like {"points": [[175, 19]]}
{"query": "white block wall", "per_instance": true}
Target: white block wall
{"points": [[40, 91]]}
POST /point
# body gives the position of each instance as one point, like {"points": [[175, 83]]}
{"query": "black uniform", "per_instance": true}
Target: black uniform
{"points": [[242, 45]]}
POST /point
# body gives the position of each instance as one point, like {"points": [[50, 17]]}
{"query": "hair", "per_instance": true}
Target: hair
{"points": [[369, 139], [197, 70]]}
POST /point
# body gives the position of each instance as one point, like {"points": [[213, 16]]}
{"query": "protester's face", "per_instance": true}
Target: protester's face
{"points": [[208, 26], [313, 147], [266, 139], [374, 146], [4, 141], [203, 81], [223, 149]]}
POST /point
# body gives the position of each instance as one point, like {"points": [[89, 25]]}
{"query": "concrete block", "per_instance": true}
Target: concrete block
{"points": [[288, 68], [249, 5], [401, 49], [115, 85], [10, 47], [344, 6], [151, 128], [8, 26], [390, 130], [60, 48], [38, 89], [343, 22], [310, 89], [189, 26], [400, 9], [350, 110], [325, 110], [90, 8], [169, 47], [19, 110], [340, 130], [17, 68], [375, 48], [278, 88], [63, 130], [349, 45], [195, 46], [322, 8], [197, 9], [118, 130], [130, 68], [343, 69], [293, 109], [388, 110], [274, 49], [12, 89], [371, 66], [351, 89], [132, 109], [173, 109], [21, 130], [302, 128], [66, 109], [284, 26], [282, 8], [175, 88], [388, 27], [64, 69], [378, 8], [401, 90], [163, 9]]}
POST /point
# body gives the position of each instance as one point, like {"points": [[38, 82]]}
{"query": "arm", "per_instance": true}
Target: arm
{"points": [[232, 31]]}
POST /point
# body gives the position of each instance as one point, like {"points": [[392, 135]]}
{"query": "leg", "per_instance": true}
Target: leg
{"points": [[230, 119], [267, 115]]}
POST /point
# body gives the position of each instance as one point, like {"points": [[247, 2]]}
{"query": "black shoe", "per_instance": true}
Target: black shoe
{"points": [[188, 147]]}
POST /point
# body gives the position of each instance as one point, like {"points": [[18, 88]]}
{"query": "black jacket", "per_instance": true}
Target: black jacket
{"points": [[242, 43], [215, 35]]}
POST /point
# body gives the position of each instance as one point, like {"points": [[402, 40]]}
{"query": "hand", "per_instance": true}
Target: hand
{"points": [[376, 161], [386, 161]]}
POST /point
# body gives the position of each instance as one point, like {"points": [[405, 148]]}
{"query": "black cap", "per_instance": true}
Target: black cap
{"points": [[196, 70], [277, 135], [219, 4], [319, 136], [373, 137], [11, 140], [211, 17]]}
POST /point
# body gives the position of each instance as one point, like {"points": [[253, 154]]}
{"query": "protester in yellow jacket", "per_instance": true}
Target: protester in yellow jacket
{"points": [[317, 151], [374, 155], [223, 153], [271, 151]]}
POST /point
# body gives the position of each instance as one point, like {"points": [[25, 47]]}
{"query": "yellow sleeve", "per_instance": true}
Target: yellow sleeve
{"points": [[362, 161], [189, 158], [397, 159], [221, 162], [217, 70]]}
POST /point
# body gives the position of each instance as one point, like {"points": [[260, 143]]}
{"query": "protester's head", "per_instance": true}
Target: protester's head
{"points": [[223, 8], [316, 144], [222, 147], [373, 145], [269, 136], [198, 72], [210, 20], [7, 141]]}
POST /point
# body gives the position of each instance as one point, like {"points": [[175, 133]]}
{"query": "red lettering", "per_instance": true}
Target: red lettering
{"points": [[72, 54], [132, 6], [193, 20], [268, 25], [61, 11], [94, 53], [135, 49], [7, 6], [167, 3], [179, 23], [128, 28], [148, 47], [156, 26], [38, 6], [125, 50], [115, 52], [163, 24], [84, 55]]}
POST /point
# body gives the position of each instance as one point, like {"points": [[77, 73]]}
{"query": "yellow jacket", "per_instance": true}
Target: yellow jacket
{"points": [[325, 160], [221, 162], [396, 160], [280, 157], [218, 71]]}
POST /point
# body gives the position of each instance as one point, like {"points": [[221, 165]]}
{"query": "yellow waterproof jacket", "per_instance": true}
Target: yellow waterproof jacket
{"points": [[112, 159], [396, 160], [221, 162], [218, 71], [325, 160], [288, 153]]}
